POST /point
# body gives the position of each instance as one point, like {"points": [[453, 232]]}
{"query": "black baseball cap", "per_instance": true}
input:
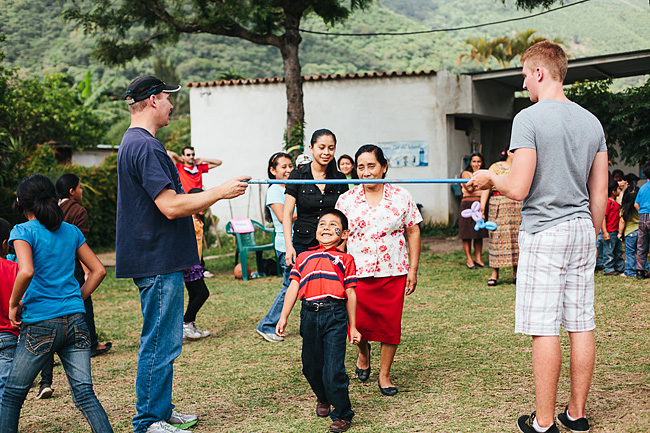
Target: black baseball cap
{"points": [[143, 87]]}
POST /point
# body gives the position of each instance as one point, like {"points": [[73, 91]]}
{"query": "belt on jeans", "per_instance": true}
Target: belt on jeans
{"points": [[321, 305]]}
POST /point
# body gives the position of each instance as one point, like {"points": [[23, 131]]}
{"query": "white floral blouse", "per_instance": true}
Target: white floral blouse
{"points": [[376, 238]]}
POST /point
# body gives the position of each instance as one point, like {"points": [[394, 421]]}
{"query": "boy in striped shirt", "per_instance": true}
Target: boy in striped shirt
{"points": [[324, 279]]}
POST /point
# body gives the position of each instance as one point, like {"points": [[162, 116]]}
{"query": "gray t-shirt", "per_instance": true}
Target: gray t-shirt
{"points": [[566, 138]]}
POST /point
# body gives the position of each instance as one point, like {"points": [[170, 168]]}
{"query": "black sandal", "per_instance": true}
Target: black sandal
{"points": [[364, 373], [492, 282]]}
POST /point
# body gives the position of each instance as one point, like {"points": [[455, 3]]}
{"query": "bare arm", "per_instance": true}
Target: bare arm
{"points": [[97, 270], [597, 183], [289, 301], [212, 163], [174, 156], [174, 205], [621, 227], [23, 278], [516, 184], [351, 306], [413, 236], [278, 210], [287, 229]]}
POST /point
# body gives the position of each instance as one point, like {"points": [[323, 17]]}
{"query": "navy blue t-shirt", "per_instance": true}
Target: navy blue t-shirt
{"points": [[148, 243]]}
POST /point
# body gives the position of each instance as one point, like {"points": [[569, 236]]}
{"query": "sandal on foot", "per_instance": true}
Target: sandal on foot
{"points": [[492, 282]]}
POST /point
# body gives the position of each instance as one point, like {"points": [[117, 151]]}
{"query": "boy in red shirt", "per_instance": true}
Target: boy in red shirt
{"points": [[324, 279], [613, 263], [8, 333]]}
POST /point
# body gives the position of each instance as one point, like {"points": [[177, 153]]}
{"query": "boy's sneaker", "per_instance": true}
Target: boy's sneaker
{"points": [[45, 391], [199, 331], [581, 425], [189, 333], [163, 427], [182, 421], [525, 424]]}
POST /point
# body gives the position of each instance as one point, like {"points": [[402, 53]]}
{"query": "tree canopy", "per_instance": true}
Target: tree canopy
{"points": [[130, 29]]}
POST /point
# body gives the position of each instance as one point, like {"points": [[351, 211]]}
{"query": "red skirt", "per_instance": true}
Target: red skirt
{"points": [[380, 302]]}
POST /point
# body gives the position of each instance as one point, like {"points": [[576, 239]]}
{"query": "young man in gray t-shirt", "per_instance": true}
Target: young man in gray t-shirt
{"points": [[560, 172]]}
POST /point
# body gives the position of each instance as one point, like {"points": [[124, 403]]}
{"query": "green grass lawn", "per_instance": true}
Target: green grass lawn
{"points": [[460, 367]]}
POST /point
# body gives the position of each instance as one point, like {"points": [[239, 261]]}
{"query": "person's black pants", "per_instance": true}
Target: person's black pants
{"points": [[198, 294]]}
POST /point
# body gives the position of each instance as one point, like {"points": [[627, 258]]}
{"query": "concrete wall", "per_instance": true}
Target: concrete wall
{"points": [[243, 125]]}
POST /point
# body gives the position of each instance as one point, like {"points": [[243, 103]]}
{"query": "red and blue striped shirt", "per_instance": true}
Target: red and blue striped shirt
{"points": [[323, 273]]}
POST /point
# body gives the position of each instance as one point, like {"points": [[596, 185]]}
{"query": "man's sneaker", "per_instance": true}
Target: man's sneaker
{"points": [[199, 331], [525, 424], [189, 333], [182, 421], [270, 337], [45, 391], [581, 425], [163, 427]]}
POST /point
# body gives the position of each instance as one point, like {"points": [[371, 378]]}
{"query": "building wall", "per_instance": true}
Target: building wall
{"points": [[243, 125]]}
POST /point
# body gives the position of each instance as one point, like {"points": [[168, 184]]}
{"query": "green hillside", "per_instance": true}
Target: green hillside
{"points": [[40, 42]]}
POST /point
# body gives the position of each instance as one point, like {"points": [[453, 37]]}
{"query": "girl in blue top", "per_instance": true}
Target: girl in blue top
{"points": [[51, 313], [280, 166]]}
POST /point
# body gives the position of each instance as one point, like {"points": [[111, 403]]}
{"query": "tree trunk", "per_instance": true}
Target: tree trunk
{"points": [[289, 46]]}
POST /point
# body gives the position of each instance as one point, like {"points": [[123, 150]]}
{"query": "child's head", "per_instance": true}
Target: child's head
{"points": [[617, 175], [195, 191], [612, 189], [5, 229], [627, 203], [36, 195], [280, 166], [332, 228], [69, 186], [346, 164]]}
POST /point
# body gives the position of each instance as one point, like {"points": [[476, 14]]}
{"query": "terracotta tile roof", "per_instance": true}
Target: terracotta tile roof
{"points": [[327, 77]]}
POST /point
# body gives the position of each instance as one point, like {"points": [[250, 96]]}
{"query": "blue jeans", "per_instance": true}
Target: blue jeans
{"points": [[161, 301], [324, 339], [599, 250], [69, 337], [613, 254], [7, 349], [267, 324], [643, 241], [630, 251]]}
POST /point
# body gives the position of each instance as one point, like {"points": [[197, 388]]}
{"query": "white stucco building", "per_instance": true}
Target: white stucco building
{"points": [[242, 122]]}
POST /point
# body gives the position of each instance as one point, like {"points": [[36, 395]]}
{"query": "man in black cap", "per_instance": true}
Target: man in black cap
{"points": [[155, 241]]}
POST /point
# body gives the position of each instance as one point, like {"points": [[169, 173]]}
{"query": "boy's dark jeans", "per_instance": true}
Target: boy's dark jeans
{"points": [[324, 339]]}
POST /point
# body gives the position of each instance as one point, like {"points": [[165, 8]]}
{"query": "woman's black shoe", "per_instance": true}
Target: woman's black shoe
{"points": [[388, 392], [364, 374]]}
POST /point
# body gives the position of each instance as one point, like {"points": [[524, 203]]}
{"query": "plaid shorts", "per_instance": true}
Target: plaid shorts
{"points": [[555, 279]]}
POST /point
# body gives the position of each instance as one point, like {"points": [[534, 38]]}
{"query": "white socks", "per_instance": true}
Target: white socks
{"points": [[538, 428]]}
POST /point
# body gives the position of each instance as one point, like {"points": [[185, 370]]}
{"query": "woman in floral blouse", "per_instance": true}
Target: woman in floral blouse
{"points": [[387, 266]]}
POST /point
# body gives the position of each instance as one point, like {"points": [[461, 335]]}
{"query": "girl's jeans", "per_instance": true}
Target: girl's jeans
{"points": [[267, 324], [630, 251], [69, 337]]}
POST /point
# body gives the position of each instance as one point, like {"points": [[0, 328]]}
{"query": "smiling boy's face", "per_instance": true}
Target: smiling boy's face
{"points": [[329, 231]]}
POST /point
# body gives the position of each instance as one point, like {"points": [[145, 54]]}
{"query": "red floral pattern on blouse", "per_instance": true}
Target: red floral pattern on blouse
{"points": [[376, 238]]}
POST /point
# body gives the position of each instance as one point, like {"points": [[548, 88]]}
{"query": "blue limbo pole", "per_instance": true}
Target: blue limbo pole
{"points": [[352, 181]]}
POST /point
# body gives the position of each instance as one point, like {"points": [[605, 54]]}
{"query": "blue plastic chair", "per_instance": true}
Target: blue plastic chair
{"points": [[246, 244]]}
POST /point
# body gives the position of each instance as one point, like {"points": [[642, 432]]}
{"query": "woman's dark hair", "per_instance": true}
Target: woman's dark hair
{"points": [[331, 170], [5, 230], [273, 162], [65, 183], [468, 167], [646, 170], [36, 194], [611, 187], [627, 203], [376, 150]]}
